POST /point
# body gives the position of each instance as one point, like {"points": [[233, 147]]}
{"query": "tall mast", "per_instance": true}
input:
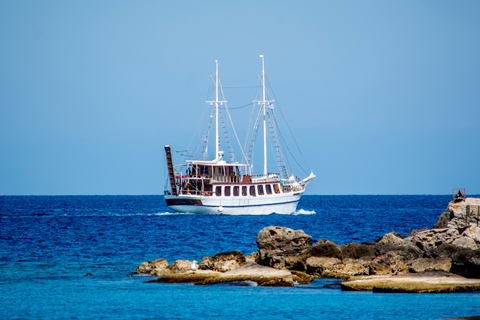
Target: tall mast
{"points": [[217, 142], [264, 120], [217, 104]]}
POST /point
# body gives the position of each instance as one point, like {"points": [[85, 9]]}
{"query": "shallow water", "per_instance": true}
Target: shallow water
{"points": [[48, 244]]}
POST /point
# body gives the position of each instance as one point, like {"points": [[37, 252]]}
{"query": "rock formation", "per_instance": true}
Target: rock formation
{"points": [[284, 255]]}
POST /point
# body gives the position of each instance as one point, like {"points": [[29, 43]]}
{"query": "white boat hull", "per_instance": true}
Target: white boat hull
{"points": [[285, 203]]}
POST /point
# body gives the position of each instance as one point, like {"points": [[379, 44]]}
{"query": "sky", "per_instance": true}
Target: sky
{"points": [[382, 96]]}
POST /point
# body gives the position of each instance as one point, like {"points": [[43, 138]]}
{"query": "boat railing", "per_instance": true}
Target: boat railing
{"points": [[227, 179], [271, 177]]}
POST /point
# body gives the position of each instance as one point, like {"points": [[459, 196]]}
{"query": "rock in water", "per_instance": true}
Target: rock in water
{"points": [[272, 238], [283, 248], [261, 275], [354, 250], [325, 248], [152, 267], [426, 282], [223, 261]]}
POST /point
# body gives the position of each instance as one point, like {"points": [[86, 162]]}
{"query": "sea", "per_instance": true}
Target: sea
{"points": [[48, 244]]}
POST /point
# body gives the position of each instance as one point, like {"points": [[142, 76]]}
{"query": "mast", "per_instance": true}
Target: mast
{"points": [[217, 104], [264, 121], [217, 142]]}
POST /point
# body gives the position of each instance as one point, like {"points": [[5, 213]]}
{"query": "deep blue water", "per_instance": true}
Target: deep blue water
{"points": [[48, 244]]}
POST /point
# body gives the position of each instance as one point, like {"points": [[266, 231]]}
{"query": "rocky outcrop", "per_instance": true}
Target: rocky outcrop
{"points": [[225, 261], [280, 238], [325, 248], [160, 267], [286, 256], [354, 250], [464, 214], [336, 268], [152, 267], [283, 248], [261, 275]]}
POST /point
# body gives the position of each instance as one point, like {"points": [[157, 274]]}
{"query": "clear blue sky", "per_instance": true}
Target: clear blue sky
{"points": [[382, 96]]}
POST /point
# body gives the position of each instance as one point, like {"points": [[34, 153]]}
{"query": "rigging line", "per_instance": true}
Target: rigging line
{"points": [[196, 130], [223, 108], [253, 129], [205, 136], [236, 136], [289, 151], [281, 159], [288, 127], [233, 127]]}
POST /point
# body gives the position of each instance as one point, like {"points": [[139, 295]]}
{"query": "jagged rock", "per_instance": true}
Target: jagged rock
{"points": [[152, 267], [180, 266], [354, 250], [442, 263], [394, 262], [318, 266], [465, 242], [272, 238], [442, 221], [283, 248], [415, 231], [336, 268], [444, 250], [464, 214], [325, 248], [393, 242], [223, 261], [467, 263], [430, 239], [284, 259], [252, 258], [389, 242]]}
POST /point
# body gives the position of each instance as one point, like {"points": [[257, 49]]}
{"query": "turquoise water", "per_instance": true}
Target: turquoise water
{"points": [[48, 244]]}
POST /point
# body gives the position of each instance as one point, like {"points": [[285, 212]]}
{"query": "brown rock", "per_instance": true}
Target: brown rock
{"points": [[442, 263], [151, 267], [320, 266], [272, 238], [354, 250], [180, 266], [325, 248], [223, 261], [390, 263]]}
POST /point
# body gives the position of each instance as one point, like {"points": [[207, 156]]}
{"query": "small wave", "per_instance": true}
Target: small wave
{"points": [[301, 211]]}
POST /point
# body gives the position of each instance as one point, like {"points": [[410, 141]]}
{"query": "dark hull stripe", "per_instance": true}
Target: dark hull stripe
{"points": [[184, 202]]}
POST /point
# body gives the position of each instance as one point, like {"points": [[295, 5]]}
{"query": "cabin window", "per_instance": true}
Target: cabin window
{"points": [[268, 187], [204, 170], [236, 191], [276, 188], [227, 191], [260, 190], [218, 191], [252, 191], [244, 191]]}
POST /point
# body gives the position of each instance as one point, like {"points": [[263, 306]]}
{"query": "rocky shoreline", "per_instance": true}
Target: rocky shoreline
{"points": [[445, 258]]}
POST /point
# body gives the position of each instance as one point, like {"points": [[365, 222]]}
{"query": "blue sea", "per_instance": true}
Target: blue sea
{"points": [[48, 244]]}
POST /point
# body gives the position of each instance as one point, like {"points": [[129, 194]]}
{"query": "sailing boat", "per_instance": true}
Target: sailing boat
{"points": [[217, 186]]}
